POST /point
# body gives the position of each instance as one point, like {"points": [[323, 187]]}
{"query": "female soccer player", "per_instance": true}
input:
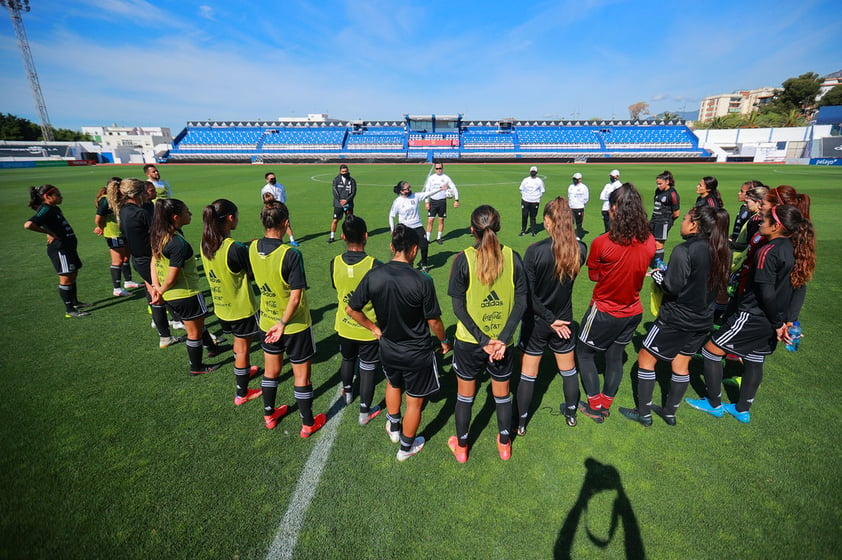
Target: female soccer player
{"points": [[176, 281], [746, 236], [617, 263], [227, 268], [664, 212], [777, 287], [405, 209], [696, 275], [61, 244], [743, 214], [551, 267], [355, 341], [131, 205], [488, 289], [708, 191], [284, 319], [107, 227]]}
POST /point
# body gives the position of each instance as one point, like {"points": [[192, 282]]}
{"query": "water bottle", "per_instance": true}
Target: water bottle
{"points": [[660, 264], [795, 335]]}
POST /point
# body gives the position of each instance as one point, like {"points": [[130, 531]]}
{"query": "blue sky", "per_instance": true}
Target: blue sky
{"points": [[139, 63]]}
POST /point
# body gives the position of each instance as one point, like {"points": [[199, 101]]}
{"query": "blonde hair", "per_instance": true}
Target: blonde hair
{"points": [[118, 193], [485, 221], [559, 221]]}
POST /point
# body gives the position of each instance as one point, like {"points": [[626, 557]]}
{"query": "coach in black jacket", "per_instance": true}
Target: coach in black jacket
{"points": [[344, 191]]}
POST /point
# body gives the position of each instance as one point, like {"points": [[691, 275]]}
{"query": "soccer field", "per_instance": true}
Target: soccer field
{"points": [[110, 450]]}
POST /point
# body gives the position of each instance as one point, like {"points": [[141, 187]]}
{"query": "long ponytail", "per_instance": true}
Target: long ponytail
{"points": [[803, 243], [485, 221], [713, 226], [215, 226], [559, 221]]}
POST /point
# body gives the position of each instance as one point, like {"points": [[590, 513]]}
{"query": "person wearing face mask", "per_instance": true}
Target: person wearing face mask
{"points": [[531, 191], [277, 192]]}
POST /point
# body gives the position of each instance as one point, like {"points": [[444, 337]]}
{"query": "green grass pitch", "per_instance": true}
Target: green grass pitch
{"points": [[110, 450]]}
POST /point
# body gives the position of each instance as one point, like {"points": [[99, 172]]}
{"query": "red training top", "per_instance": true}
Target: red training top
{"points": [[618, 271]]}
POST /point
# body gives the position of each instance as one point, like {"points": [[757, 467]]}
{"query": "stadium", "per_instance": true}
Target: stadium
{"points": [[111, 450]]}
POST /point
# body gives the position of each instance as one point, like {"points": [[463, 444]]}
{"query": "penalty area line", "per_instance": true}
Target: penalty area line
{"points": [[290, 525]]}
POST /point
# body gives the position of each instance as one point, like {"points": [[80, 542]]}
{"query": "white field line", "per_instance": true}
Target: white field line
{"points": [[286, 537]]}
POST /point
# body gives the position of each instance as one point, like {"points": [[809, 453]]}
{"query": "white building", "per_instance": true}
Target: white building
{"points": [[740, 102], [138, 144]]}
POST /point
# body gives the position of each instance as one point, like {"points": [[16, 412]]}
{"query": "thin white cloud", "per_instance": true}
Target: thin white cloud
{"points": [[207, 12]]}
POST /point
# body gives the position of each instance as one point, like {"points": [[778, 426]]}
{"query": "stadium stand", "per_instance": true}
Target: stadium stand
{"points": [[428, 138]]}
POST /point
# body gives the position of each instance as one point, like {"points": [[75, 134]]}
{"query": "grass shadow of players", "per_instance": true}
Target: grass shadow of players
{"points": [[600, 478]]}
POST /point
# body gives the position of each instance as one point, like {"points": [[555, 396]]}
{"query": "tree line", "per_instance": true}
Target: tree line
{"points": [[16, 128]]}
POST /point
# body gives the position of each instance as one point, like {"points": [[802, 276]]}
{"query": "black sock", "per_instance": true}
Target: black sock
{"points": [[346, 374], [678, 386], [270, 394], [194, 352], [159, 316], [406, 442], [394, 421], [613, 369], [304, 398], [116, 272], [645, 389], [570, 385], [73, 295], [587, 369], [752, 377], [713, 377], [241, 376], [64, 292], [127, 272], [504, 417], [463, 417], [367, 370], [525, 390]]}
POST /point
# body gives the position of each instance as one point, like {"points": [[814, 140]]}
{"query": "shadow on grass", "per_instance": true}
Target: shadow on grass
{"points": [[600, 478]]}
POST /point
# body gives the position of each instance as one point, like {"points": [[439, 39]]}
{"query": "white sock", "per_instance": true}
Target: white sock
{"points": [[439, 237]]}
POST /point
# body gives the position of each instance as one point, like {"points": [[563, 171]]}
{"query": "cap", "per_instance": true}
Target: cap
{"points": [[577, 175], [533, 168], [614, 173]]}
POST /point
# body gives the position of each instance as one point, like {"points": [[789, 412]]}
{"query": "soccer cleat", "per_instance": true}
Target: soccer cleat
{"points": [[366, 417], [177, 325], [251, 394], [521, 234], [119, 292], [533, 234], [704, 406], [570, 418], [331, 240], [395, 436], [461, 453], [167, 341], [504, 449], [272, 419], [744, 417], [521, 431], [634, 415], [318, 422], [736, 381], [75, 314], [129, 285], [417, 445], [294, 243], [205, 368], [593, 413], [348, 395], [668, 418], [215, 350], [439, 241], [254, 371], [216, 339], [82, 305]]}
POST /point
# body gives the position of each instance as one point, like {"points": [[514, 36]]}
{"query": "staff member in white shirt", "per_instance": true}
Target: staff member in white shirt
{"points": [[577, 197], [273, 190], [440, 188], [531, 191], [405, 209], [612, 185]]}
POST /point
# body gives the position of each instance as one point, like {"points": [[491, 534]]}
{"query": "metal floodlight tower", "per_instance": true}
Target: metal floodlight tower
{"points": [[15, 8]]}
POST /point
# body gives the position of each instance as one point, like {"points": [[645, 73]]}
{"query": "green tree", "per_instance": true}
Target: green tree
{"points": [[797, 93], [17, 128], [668, 116], [832, 97]]}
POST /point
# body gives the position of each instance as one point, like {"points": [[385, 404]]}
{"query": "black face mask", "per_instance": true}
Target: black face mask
{"points": [[272, 181]]}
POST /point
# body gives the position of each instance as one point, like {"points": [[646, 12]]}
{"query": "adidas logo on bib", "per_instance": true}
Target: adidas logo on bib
{"points": [[493, 300]]}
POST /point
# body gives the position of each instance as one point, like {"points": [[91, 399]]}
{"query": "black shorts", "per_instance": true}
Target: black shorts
{"points": [[470, 360], [530, 207], [65, 261], [418, 382], [438, 208], [745, 334], [339, 211], [422, 238], [115, 242], [666, 342], [241, 328], [535, 335], [187, 309], [600, 330], [299, 347], [367, 351], [660, 230]]}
